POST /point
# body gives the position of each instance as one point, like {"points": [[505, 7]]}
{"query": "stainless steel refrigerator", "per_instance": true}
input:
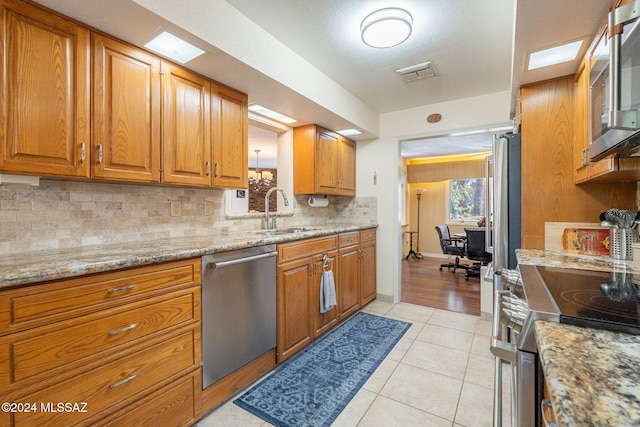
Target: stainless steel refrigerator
{"points": [[503, 223], [504, 207]]}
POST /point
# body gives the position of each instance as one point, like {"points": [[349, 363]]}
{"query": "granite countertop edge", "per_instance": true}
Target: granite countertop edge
{"points": [[592, 375], [44, 265], [573, 260]]}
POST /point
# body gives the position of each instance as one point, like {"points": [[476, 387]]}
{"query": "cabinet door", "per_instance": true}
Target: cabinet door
{"points": [[322, 322], [347, 167], [186, 128], [44, 101], [294, 315], [347, 284], [230, 138], [126, 112], [327, 158], [581, 127], [368, 290]]}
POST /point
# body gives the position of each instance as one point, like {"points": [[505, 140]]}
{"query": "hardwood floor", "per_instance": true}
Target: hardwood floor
{"points": [[424, 284]]}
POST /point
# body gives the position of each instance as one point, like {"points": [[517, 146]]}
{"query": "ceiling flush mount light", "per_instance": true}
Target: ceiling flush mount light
{"points": [[173, 47], [554, 55], [386, 27], [259, 109]]}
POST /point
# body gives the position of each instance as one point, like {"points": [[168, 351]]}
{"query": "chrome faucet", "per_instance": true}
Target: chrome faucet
{"points": [[267, 225]]}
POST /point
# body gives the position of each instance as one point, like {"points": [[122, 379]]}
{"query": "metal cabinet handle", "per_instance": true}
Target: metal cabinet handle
{"points": [[547, 422], [208, 167], [100, 154], [124, 381], [215, 169], [83, 156], [222, 264], [125, 329], [123, 289]]}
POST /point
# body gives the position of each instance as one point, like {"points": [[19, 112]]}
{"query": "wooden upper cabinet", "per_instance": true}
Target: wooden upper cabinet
{"points": [[126, 112], [347, 167], [44, 101], [230, 138], [327, 158], [186, 128], [581, 123], [323, 162]]}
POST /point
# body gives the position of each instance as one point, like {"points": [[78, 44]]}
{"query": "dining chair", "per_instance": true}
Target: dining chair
{"points": [[476, 251], [451, 246]]}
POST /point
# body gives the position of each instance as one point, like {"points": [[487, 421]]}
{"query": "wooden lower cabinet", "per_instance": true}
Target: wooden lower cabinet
{"points": [[322, 322], [294, 306], [173, 405], [348, 281], [133, 363], [368, 287], [299, 273], [300, 269]]}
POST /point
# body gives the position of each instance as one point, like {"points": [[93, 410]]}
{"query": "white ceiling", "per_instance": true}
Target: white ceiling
{"points": [[468, 42], [477, 47]]}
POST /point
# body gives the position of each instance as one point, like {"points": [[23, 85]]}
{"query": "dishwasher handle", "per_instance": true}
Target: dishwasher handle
{"points": [[222, 264]]}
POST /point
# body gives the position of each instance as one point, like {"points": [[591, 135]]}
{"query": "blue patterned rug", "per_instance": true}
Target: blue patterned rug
{"points": [[314, 386]]}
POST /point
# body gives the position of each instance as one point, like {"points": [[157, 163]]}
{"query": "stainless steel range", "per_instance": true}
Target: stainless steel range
{"points": [[597, 299]]}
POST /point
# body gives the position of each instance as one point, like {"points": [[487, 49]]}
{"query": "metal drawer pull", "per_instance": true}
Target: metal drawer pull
{"points": [[547, 422], [123, 289], [222, 264], [124, 381], [125, 329]]}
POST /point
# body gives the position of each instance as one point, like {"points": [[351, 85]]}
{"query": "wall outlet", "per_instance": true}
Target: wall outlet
{"points": [[176, 208], [208, 208]]}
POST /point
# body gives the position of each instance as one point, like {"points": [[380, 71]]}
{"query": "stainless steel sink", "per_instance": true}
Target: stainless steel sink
{"points": [[280, 231]]}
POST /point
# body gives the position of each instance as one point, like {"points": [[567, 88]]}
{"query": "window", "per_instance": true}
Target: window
{"points": [[466, 201]]}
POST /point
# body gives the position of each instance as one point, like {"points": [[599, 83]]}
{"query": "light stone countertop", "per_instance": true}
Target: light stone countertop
{"points": [[593, 376], [575, 261], [38, 266]]}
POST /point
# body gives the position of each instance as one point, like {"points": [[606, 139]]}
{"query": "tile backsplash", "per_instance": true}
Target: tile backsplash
{"points": [[65, 214]]}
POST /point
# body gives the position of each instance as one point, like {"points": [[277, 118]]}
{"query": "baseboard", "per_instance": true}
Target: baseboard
{"points": [[384, 298]]}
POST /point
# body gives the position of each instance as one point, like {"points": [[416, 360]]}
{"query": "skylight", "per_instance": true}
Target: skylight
{"points": [[259, 109], [349, 132], [168, 45], [554, 55]]}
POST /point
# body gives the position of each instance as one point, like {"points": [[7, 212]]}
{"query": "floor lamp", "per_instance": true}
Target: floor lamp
{"points": [[413, 253], [419, 195]]}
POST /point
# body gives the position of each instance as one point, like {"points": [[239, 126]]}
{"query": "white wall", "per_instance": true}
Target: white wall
{"points": [[381, 156]]}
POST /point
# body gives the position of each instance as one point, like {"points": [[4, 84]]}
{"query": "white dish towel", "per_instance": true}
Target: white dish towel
{"points": [[327, 292]]}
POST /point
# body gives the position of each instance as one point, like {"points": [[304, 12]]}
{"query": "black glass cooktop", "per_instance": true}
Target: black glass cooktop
{"points": [[604, 300]]}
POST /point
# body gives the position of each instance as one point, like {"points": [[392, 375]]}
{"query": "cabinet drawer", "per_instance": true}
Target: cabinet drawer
{"points": [[54, 301], [39, 352], [290, 251], [173, 405], [115, 384], [367, 235], [348, 239]]}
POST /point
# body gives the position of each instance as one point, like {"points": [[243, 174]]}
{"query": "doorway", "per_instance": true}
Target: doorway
{"points": [[428, 171]]}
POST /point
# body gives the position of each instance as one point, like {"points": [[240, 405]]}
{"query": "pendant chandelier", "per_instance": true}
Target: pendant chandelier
{"points": [[258, 178]]}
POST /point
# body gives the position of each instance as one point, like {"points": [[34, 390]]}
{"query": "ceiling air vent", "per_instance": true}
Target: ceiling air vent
{"points": [[417, 72]]}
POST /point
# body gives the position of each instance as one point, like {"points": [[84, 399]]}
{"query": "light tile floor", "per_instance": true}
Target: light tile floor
{"points": [[439, 374]]}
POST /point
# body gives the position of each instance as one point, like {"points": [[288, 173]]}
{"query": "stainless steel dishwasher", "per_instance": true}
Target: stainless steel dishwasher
{"points": [[238, 309]]}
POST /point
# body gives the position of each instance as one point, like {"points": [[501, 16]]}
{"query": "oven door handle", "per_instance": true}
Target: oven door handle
{"points": [[503, 351], [500, 348]]}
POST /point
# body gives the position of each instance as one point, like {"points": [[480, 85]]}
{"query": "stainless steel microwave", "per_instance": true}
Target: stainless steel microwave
{"points": [[615, 86]]}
